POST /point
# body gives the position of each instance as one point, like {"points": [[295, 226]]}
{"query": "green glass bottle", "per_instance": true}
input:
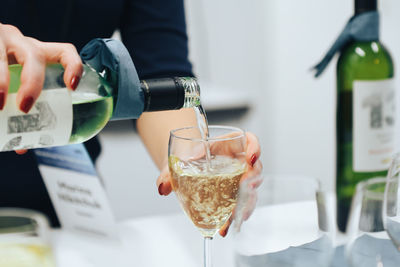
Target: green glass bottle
{"points": [[365, 115], [61, 117]]}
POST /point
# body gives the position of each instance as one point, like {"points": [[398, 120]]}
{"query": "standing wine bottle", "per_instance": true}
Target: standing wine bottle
{"points": [[365, 114], [61, 117]]}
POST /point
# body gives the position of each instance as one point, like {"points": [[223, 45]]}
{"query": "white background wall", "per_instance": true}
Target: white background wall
{"points": [[264, 48]]}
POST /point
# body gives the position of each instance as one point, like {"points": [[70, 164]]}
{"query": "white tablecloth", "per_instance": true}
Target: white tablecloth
{"points": [[152, 241], [163, 241]]}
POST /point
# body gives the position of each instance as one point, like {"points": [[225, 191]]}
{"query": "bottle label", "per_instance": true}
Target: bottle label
{"points": [[48, 123], [373, 125]]}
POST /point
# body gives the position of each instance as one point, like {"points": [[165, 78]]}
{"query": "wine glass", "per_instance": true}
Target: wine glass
{"points": [[206, 175], [292, 225], [24, 239], [369, 244], [391, 207]]}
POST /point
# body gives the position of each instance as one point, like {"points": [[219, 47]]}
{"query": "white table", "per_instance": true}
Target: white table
{"points": [[172, 240], [146, 242]]}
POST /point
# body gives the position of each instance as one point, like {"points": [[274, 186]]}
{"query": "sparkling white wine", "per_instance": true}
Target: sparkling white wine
{"points": [[207, 196], [91, 113], [25, 255], [202, 121], [202, 124]]}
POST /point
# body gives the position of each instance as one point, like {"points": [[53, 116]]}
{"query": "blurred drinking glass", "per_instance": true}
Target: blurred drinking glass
{"points": [[369, 244], [24, 239], [392, 202], [293, 224]]}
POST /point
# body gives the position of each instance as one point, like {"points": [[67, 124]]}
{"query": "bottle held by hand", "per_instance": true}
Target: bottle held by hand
{"points": [[61, 116]]}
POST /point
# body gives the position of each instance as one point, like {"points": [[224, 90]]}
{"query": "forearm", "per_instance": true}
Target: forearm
{"points": [[154, 128]]}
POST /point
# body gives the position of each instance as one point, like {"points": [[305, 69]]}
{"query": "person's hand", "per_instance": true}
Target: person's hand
{"points": [[251, 179], [15, 48]]}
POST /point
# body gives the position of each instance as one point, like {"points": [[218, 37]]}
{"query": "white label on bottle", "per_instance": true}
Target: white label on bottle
{"points": [[373, 124], [48, 123]]}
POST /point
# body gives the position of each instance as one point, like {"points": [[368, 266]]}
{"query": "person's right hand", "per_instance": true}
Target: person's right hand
{"points": [[32, 54]]}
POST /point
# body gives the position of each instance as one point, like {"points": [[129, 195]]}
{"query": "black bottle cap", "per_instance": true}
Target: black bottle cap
{"points": [[163, 94], [361, 6]]}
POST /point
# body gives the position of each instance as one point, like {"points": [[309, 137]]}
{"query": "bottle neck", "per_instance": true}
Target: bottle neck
{"points": [[361, 6], [170, 93]]}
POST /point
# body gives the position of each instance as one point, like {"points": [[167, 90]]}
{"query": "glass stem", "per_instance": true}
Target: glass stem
{"points": [[207, 252]]}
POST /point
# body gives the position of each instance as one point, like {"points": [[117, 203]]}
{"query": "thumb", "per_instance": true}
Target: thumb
{"points": [[164, 182]]}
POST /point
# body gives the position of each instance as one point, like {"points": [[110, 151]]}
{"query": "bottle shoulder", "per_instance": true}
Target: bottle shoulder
{"points": [[365, 60], [371, 54]]}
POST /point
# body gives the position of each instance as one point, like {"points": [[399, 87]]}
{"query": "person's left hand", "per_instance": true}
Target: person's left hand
{"points": [[253, 174]]}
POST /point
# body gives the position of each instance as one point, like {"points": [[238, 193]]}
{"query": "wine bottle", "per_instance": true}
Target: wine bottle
{"points": [[61, 116], [365, 114]]}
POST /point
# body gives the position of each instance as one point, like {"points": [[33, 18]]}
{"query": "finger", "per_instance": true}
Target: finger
{"points": [[246, 202], [227, 148], [10, 35], [225, 228], [253, 150], [4, 75], [253, 175], [250, 206], [30, 57], [68, 57], [256, 174], [21, 151], [32, 79], [164, 183]]}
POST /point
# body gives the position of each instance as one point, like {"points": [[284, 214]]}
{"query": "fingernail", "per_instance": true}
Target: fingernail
{"points": [[26, 104], [253, 160], [2, 95], [222, 233], [74, 82], [160, 189]]}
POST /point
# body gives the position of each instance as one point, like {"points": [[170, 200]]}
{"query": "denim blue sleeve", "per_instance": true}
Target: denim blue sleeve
{"points": [[154, 31]]}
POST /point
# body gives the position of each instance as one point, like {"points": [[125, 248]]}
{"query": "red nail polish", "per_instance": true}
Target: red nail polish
{"points": [[26, 104], [222, 233], [160, 189], [253, 160], [2, 99], [74, 82]]}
